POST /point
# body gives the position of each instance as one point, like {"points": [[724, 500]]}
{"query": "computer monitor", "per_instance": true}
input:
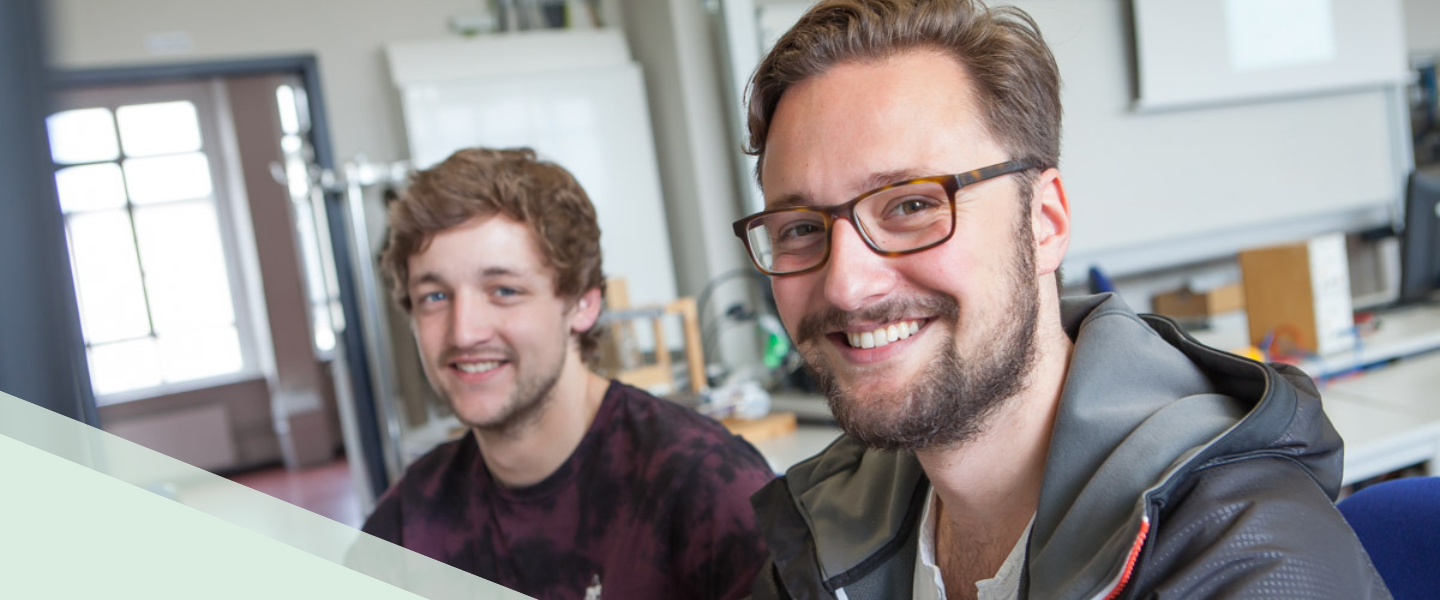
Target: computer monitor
{"points": [[1420, 242]]}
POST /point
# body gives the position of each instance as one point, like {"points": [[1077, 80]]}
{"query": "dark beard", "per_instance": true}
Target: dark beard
{"points": [[952, 401]]}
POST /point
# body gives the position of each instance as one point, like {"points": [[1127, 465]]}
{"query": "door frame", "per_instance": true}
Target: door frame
{"points": [[307, 68]]}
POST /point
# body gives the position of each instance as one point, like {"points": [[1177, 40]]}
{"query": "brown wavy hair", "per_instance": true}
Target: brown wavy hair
{"points": [[1016, 79], [479, 182]]}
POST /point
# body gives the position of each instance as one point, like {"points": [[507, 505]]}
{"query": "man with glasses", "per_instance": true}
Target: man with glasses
{"points": [[1000, 442], [565, 486]]}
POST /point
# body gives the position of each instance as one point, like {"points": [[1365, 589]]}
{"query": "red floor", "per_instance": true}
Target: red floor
{"points": [[326, 490]]}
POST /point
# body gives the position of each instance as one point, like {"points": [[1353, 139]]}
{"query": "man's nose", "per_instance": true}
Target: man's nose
{"points": [[854, 274], [471, 321]]}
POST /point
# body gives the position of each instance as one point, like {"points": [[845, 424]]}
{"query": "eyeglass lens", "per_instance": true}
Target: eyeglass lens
{"points": [[901, 219]]}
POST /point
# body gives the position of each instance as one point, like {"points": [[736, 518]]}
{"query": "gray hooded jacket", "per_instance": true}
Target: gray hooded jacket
{"points": [[1174, 471]]}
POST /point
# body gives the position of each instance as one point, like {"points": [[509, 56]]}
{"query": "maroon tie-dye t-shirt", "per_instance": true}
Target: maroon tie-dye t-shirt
{"points": [[654, 503]]}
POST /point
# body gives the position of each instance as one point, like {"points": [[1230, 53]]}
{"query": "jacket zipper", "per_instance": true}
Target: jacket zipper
{"points": [[1117, 585]]}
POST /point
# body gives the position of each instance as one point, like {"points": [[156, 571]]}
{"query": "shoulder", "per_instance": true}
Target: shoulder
{"points": [[422, 483], [846, 462], [662, 428], [440, 462], [815, 504], [1256, 527]]}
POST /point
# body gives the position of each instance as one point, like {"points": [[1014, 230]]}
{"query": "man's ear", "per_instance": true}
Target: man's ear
{"points": [[1050, 222], [586, 311]]}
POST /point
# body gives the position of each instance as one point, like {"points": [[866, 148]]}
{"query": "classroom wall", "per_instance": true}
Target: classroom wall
{"points": [[670, 42], [348, 38], [345, 35], [678, 44], [1422, 26]]}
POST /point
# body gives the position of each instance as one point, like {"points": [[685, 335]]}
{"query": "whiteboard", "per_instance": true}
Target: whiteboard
{"points": [[1151, 190], [1196, 52], [593, 120]]}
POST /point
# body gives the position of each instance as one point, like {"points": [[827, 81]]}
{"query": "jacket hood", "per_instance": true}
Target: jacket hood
{"points": [[1142, 404]]}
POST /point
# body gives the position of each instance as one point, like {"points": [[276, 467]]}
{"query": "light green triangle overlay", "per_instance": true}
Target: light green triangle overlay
{"points": [[84, 513]]}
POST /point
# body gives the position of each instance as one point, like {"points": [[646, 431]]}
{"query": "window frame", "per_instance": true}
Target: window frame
{"points": [[203, 95]]}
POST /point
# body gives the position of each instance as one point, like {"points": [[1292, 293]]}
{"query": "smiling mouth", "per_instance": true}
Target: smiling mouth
{"points": [[477, 367], [882, 336]]}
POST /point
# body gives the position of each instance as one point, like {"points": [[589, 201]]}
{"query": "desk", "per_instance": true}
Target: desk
{"points": [[1411, 385], [1389, 419], [1405, 395], [784, 451], [1401, 333], [1380, 439]]}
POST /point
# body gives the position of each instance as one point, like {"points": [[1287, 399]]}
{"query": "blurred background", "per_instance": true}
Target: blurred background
{"points": [[197, 194]]}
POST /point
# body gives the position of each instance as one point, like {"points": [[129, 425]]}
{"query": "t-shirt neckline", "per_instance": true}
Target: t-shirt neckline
{"points": [[555, 482]]}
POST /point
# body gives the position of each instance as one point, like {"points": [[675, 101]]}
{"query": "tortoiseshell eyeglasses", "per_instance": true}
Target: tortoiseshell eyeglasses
{"points": [[897, 219]]}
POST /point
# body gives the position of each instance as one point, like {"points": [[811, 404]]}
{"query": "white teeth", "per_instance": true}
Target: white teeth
{"points": [[884, 335], [479, 367]]}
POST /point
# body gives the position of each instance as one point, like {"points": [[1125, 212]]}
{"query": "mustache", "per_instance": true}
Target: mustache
{"points": [[817, 324], [454, 352]]}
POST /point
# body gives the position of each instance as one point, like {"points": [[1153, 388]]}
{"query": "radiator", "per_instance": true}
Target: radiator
{"points": [[200, 435]]}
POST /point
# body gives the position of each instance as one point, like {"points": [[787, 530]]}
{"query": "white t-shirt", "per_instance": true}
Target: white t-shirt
{"points": [[1005, 585]]}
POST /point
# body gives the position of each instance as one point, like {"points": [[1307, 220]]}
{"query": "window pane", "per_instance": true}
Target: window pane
{"points": [[324, 335], [200, 354], [164, 128], [309, 251], [181, 303], [107, 277], [297, 176], [124, 366], [289, 117], [185, 269], [337, 316], [91, 187], [179, 239], [80, 136], [168, 178], [291, 144]]}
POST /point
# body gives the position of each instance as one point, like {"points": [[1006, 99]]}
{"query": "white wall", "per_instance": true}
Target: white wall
{"points": [[1422, 25], [670, 38], [345, 35], [677, 43]]}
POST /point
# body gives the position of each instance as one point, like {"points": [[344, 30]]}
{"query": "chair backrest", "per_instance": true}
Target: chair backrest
{"points": [[1399, 524]]}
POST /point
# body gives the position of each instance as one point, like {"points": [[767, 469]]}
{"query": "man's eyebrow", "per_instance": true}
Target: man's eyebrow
{"points": [[885, 178], [424, 278], [875, 180], [498, 272], [486, 273], [789, 201]]}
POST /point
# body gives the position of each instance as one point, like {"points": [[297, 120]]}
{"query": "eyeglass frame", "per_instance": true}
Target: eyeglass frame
{"points": [[951, 184]]}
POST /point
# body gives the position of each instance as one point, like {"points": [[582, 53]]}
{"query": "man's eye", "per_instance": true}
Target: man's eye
{"points": [[911, 206], [434, 297], [506, 292], [798, 230]]}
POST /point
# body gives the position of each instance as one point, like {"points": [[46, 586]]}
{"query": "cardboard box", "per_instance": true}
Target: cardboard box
{"points": [[1186, 305], [1300, 290]]}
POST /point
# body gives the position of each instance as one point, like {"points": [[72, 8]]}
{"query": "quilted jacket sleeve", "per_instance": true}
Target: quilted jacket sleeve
{"points": [[1256, 528]]}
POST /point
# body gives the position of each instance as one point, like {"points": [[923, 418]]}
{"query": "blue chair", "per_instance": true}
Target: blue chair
{"points": [[1399, 524]]}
